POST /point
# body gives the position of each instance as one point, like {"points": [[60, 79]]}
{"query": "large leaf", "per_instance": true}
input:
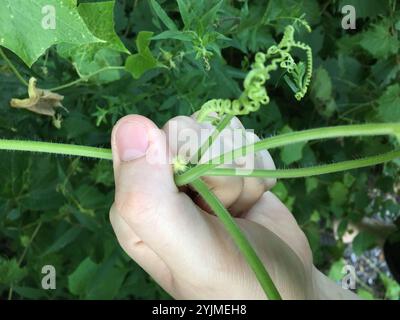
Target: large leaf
{"points": [[367, 8], [97, 281], [293, 152], [88, 62], [338, 193], [11, 272], [363, 241], [335, 272], [389, 104], [391, 286], [139, 63], [163, 15], [380, 41], [90, 57], [322, 85], [107, 281], [24, 31], [92, 14], [81, 277], [64, 240]]}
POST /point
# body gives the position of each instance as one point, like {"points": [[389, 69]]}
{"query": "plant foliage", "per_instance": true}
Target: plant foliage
{"points": [[163, 58]]}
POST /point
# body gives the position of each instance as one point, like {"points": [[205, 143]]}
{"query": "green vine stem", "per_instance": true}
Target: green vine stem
{"points": [[310, 171], [84, 78], [287, 139], [210, 168], [192, 175], [103, 153], [56, 148], [239, 238]]}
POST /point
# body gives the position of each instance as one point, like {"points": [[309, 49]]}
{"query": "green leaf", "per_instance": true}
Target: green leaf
{"points": [[380, 41], [291, 153], [107, 281], [364, 294], [338, 193], [14, 214], [89, 58], [174, 34], [391, 286], [312, 232], [99, 17], [348, 179], [79, 279], [22, 31], [291, 84], [389, 104], [363, 241], [96, 281], [367, 8], [90, 197], [11, 272], [211, 14], [311, 184], [64, 240], [322, 85], [342, 228], [321, 93], [163, 15], [397, 25], [139, 63], [280, 191], [184, 10], [30, 293], [292, 8], [315, 217], [143, 41], [102, 172], [335, 272]]}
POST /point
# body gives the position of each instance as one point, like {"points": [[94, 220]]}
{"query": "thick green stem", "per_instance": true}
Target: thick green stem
{"points": [[309, 171], [210, 169], [239, 238], [287, 139], [56, 148], [192, 176]]}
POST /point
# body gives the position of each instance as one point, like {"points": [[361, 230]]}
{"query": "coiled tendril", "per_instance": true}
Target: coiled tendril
{"points": [[255, 94]]}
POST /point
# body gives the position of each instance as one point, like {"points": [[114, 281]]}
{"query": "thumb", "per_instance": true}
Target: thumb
{"points": [[143, 175], [146, 196]]}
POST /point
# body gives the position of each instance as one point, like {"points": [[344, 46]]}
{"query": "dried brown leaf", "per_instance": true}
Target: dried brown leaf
{"points": [[40, 101]]}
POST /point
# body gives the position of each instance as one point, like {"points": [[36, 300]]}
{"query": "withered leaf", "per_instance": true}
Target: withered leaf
{"points": [[40, 100]]}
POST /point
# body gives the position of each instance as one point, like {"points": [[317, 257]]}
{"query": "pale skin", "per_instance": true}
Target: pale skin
{"points": [[182, 245]]}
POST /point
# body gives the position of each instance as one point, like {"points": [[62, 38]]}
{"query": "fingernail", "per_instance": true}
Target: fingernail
{"points": [[132, 140]]}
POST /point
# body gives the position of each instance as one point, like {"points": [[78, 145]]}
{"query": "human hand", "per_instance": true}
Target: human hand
{"points": [[173, 236]]}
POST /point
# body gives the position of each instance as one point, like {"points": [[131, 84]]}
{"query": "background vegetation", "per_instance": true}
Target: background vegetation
{"points": [[54, 210]]}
